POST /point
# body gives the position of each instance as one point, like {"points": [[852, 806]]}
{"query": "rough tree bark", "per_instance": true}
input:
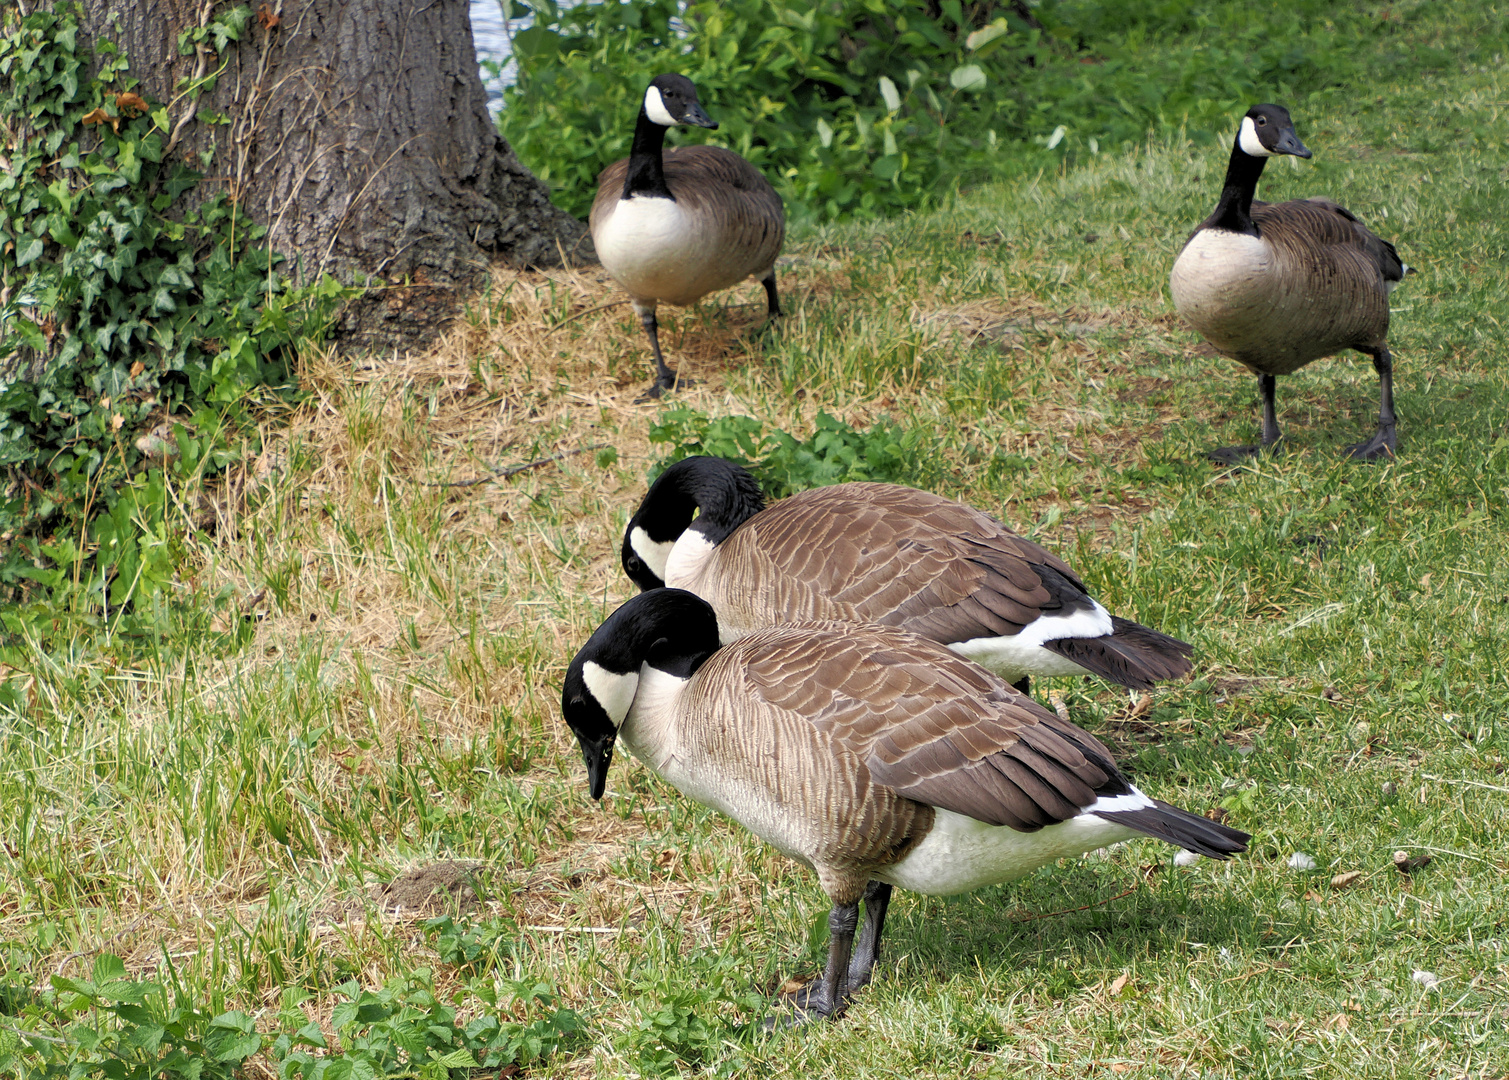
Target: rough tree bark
{"points": [[358, 133]]}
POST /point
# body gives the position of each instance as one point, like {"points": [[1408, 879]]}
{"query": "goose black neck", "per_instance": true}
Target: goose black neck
{"points": [[1234, 211], [646, 164], [670, 629], [722, 494]]}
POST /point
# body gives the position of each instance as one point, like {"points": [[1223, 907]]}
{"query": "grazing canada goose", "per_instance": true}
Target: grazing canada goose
{"points": [[886, 554], [875, 757], [1275, 286], [672, 227]]}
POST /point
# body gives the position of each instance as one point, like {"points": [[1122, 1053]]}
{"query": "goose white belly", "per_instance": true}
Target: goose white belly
{"points": [[658, 251], [961, 854], [1017, 655], [1237, 293], [1221, 278]]}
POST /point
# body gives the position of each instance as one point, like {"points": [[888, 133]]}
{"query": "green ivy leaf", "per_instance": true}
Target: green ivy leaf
{"points": [[28, 250]]}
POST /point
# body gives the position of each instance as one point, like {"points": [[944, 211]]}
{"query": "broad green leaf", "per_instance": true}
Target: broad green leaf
{"points": [[968, 77], [28, 250], [986, 34]]}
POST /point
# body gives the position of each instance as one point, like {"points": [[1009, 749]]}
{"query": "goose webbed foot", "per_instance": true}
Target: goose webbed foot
{"points": [[804, 1005], [664, 385], [1233, 455], [1381, 446]]}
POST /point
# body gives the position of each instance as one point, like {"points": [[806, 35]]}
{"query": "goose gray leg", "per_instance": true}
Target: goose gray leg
{"points": [[824, 998], [1233, 455], [877, 899], [1385, 441], [772, 301], [1268, 385], [665, 378]]}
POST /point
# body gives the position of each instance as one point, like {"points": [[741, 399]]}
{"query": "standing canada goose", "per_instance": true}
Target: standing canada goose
{"points": [[673, 226], [886, 554], [1275, 286], [875, 757]]}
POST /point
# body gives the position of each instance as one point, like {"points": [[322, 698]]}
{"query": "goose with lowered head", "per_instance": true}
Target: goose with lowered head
{"points": [[877, 758], [673, 225], [886, 554]]}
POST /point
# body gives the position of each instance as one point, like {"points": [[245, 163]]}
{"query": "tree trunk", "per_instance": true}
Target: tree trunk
{"points": [[357, 131]]}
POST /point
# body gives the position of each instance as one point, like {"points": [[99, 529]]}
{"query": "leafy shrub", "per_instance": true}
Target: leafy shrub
{"points": [[833, 454], [123, 1029], [852, 107], [405, 1029], [691, 1022], [867, 107], [132, 330], [472, 948]]}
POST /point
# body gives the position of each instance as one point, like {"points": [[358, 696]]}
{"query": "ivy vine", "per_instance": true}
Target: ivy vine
{"points": [[135, 328]]}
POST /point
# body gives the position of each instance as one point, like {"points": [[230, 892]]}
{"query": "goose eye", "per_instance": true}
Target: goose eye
{"points": [[1262, 120]]}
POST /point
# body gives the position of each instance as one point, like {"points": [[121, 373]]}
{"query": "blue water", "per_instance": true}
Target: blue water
{"points": [[492, 44]]}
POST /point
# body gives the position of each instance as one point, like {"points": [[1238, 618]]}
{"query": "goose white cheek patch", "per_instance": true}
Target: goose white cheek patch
{"points": [[655, 553], [655, 108], [1249, 140], [614, 692]]}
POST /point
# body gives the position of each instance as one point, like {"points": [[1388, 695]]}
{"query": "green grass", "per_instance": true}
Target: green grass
{"points": [[218, 819]]}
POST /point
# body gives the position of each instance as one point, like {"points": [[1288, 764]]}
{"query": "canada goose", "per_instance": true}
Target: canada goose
{"points": [[887, 554], [1275, 286], [877, 758], [672, 227]]}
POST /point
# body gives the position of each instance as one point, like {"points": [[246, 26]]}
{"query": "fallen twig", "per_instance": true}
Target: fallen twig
{"points": [[513, 470], [1072, 910], [579, 314]]}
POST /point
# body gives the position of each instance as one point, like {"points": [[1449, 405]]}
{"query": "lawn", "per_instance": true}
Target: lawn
{"points": [[365, 783]]}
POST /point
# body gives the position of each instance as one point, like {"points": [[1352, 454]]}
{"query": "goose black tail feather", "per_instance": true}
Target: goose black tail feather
{"points": [[1164, 821], [1134, 655]]}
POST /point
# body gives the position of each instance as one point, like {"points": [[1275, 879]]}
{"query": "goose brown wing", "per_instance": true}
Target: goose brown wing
{"points": [[930, 726], [610, 185], [881, 553], [1319, 220], [728, 190]]}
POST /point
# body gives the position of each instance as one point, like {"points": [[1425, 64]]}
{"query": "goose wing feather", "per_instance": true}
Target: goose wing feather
{"points": [[881, 553], [930, 726], [1321, 221]]}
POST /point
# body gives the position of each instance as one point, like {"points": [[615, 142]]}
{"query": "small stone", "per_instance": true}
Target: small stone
{"points": [[1187, 858], [1330, 694], [1428, 979], [1300, 861], [1390, 789]]}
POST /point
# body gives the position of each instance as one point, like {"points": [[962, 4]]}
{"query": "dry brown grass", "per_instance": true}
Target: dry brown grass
{"points": [[373, 528]]}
